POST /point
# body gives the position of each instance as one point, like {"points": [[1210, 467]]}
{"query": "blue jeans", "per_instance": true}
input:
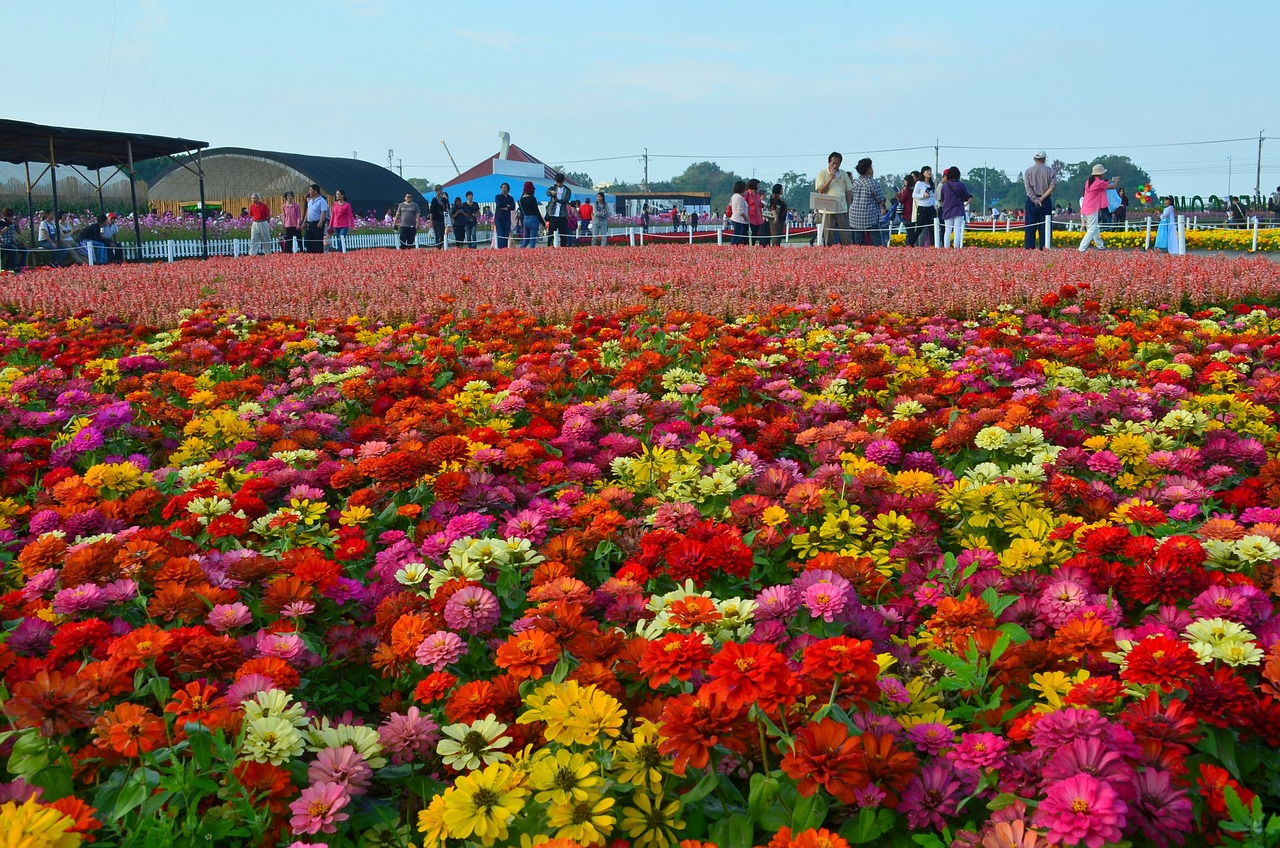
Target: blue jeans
{"points": [[99, 251], [740, 231], [1033, 219], [338, 241], [530, 231], [503, 230], [471, 235]]}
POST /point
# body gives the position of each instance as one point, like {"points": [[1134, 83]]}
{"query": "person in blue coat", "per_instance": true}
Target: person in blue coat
{"points": [[1167, 235]]}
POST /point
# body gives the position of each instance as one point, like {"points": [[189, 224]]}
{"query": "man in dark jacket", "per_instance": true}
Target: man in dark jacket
{"points": [[439, 209]]}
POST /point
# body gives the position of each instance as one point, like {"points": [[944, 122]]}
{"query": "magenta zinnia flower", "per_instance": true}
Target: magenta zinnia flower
{"points": [[439, 649], [472, 610], [979, 751], [1082, 809], [1163, 811], [225, 617], [341, 766], [932, 795], [931, 737], [319, 809]]}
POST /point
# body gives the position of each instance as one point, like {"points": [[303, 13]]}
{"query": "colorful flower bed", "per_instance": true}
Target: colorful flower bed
{"points": [[1233, 240], [726, 282], [649, 577]]}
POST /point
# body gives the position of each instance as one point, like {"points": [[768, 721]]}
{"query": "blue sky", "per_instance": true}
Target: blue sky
{"points": [[759, 87]]}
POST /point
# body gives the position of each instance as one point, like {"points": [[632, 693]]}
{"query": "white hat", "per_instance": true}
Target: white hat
{"points": [[1040, 155], [1098, 170]]}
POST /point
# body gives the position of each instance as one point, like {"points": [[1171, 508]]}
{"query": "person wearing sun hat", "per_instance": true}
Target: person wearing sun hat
{"points": [[1039, 181], [1095, 200]]}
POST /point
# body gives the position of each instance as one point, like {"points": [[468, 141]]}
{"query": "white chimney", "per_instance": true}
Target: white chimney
{"points": [[506, 144]]}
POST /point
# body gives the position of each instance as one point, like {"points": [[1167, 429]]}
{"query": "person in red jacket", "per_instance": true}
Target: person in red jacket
{"points": [[260, 228], [585, 213]]}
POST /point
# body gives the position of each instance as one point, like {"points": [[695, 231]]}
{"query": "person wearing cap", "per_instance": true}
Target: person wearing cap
{"points": [[259, 226], [1039, 182], [1095, 200]]}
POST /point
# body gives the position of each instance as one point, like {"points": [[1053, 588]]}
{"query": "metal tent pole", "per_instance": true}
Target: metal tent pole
{"points": [[204, 217], [102, 207], [53, 177], [31, 213], [133, 196]]}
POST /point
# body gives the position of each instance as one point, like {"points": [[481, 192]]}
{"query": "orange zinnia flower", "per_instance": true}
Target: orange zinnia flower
{"points": [[525, 654], [143, 645], [742, 675], [825, 755], [818, 838], [198, 703], [129, 730]]}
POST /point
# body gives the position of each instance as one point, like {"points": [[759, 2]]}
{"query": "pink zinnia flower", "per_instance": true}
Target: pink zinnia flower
{"points": [[979, 751], [1163, 811], [224, 617], [439, 649], [285, 646], [248, 686], [824, 600], [931, 737], [472, 610], [341, 766], [776, 602], [319, 809], [86, 597], [527, 524], [1105, 462], [1082, 809], [409, 735]]}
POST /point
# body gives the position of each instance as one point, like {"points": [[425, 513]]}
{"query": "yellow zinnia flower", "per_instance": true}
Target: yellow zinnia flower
{"points": [[483, 803], [639, 762], [587, 822], [564, 777], [33, 825], [650, 823]]}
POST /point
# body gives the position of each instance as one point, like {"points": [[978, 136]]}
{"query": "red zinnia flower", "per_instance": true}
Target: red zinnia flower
{"points": [[850, 661], [675, 656], [1161, 661], [743, 675], [825, 755], [691, 727]]}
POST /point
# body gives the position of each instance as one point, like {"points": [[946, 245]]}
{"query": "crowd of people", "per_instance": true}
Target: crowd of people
{"points": [[851, 208]]}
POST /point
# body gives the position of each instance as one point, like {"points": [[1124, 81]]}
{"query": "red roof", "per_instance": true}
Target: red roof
{"points": [[485, 168]]}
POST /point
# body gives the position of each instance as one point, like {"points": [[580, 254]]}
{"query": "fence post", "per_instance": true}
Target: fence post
{"points": [[817, 240], [786, 232], [642, 237], [720, 236], [1255, 235], [1048, 231], [1006, 224], [937, 233], [235, 248], [1181, 234], [295, 245], [89, 250], [691, 235], [631, 236], [1147, 244], [169, 251]]}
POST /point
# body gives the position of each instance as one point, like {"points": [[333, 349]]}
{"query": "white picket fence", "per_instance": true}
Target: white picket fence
{"points": [[173, 249]]}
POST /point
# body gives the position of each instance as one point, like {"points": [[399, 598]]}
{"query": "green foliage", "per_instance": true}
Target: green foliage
{"points": [[1071, 178]]}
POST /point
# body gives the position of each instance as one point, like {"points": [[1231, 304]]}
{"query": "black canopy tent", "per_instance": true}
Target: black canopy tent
{"points": [[23, 143]]}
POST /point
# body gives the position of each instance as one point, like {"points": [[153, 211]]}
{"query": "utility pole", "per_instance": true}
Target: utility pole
{"points": [[646, 169], [984, 188], [400, 167], [1228, 180], [1257, 180], [935, 158], [391, 155]]}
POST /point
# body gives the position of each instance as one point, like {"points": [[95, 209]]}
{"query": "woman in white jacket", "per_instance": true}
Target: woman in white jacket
{"points": [[926, 205]]}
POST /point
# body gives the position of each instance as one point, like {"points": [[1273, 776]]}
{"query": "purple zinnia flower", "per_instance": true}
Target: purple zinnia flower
{"points": [[83, 598]]}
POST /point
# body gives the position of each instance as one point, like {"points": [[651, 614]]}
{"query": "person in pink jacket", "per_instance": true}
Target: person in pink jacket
{"points": [[291, 218], [341, 220], [1095, 200]]}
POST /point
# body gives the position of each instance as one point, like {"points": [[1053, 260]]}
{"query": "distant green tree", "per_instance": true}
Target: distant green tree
{"points": [[795, 190], [576, 177], [1000, 188], [422, 184], [707, 176]]}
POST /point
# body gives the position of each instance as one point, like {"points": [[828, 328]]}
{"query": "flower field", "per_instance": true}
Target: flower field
{"points": [[626, 548], [1233, 240], [398, 286]]}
